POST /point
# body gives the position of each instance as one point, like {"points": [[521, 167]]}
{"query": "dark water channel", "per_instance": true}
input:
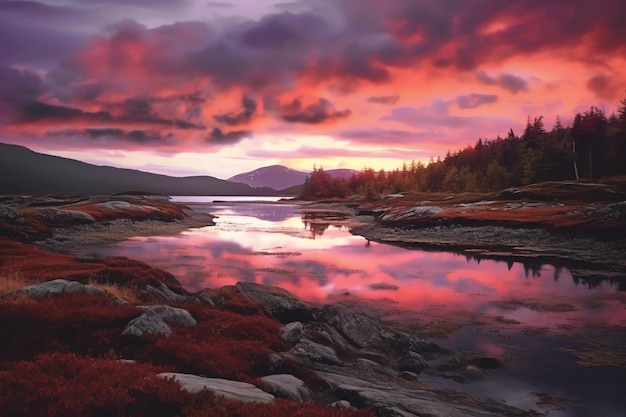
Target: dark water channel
{"points": [[538, 319]]}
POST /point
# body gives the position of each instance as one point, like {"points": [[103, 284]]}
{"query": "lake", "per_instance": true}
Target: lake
{"points": [[534, 316]]}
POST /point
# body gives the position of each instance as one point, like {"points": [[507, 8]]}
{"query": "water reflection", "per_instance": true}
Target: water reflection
{"points": [[316, 257]]}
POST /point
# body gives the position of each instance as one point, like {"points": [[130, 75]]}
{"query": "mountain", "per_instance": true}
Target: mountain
{"points": [[24, 172], [281, 177], [275, 176]]}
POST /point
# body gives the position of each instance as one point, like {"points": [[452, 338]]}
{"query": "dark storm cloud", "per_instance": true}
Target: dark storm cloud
{"points": [[393, 99], [603, 86], [36, 110], [296, 111], [240, 117], [510, 82], [217, 136], [18, 87], [114, 135], [474, 100], [140, 110]]}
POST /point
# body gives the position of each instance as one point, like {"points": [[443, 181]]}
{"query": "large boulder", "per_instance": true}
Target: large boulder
{"points": [[54, 288], [366, 333], [276, 302], [223, 388], [286, 386], [157, 319], [316, 352], [291, 332]]}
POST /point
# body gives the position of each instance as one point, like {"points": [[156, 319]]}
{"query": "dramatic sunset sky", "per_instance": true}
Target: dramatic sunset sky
{"points": [[195, 87]]}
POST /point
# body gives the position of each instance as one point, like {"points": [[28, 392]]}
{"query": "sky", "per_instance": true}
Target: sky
{"points": [[197, 87]]}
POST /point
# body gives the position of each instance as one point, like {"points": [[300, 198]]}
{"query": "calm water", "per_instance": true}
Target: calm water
{"points": [[315, 257]]}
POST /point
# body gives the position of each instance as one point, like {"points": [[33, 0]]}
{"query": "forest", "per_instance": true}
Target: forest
{"points": [[594, 146]]}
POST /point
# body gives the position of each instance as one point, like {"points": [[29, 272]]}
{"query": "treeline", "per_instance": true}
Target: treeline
{"points": [[593, 147]]}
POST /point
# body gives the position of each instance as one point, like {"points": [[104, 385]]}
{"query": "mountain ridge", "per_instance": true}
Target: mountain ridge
{"points": [[26, 172]]}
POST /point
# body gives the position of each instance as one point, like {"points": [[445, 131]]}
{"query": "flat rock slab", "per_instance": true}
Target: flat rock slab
{"points": [[223, 388], [54, 288], [394, 399], [286, 386]]}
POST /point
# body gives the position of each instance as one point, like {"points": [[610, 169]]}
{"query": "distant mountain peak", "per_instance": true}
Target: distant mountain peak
{"points": [[278, 177]]}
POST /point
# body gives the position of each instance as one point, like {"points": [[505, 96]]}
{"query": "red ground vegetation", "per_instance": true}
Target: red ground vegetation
{"points": [[145, 209], [36, 265], [74, 323], [66, 385], [223, 344]]}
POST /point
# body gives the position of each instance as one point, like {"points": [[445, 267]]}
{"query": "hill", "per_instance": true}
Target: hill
{"points": [[280, 177], [25, 172]]}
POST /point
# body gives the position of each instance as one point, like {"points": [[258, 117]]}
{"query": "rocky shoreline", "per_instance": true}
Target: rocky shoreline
{"points": [[334, 355]]}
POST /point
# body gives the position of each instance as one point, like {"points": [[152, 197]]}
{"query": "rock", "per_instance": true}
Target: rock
{"points": [[276, 302], [9, 215], [392, 196], [207, 296], [55, 287], [124, 205], [417, 211], [156, 319], [316, 352], [327, 335], [58, 216], [408, 375], [413, 362], [118, 301], [391, 399], [223, 388], [373, 367], [286, 386], [292, 332], [160, 293], [487, 362], [342, 405], [364, 332]]}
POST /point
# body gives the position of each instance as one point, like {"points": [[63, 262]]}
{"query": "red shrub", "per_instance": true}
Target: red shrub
{"points": [[223, 344], [66, 385], [70, 323]]}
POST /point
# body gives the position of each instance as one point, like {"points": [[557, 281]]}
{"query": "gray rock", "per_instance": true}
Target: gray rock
{"points": [[392, 196], [9, 215], [292, 332], [157, 319], [124, 205], [373, 367], [342, 405], [408, 375], [408, 400], [327, 335], [286, 386], [146, 325], [64, 216], [316, 352], [364, 332], [417, 211], [223, 388], [276, 302], [413, 362], [161, 293], [55, 287]]}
